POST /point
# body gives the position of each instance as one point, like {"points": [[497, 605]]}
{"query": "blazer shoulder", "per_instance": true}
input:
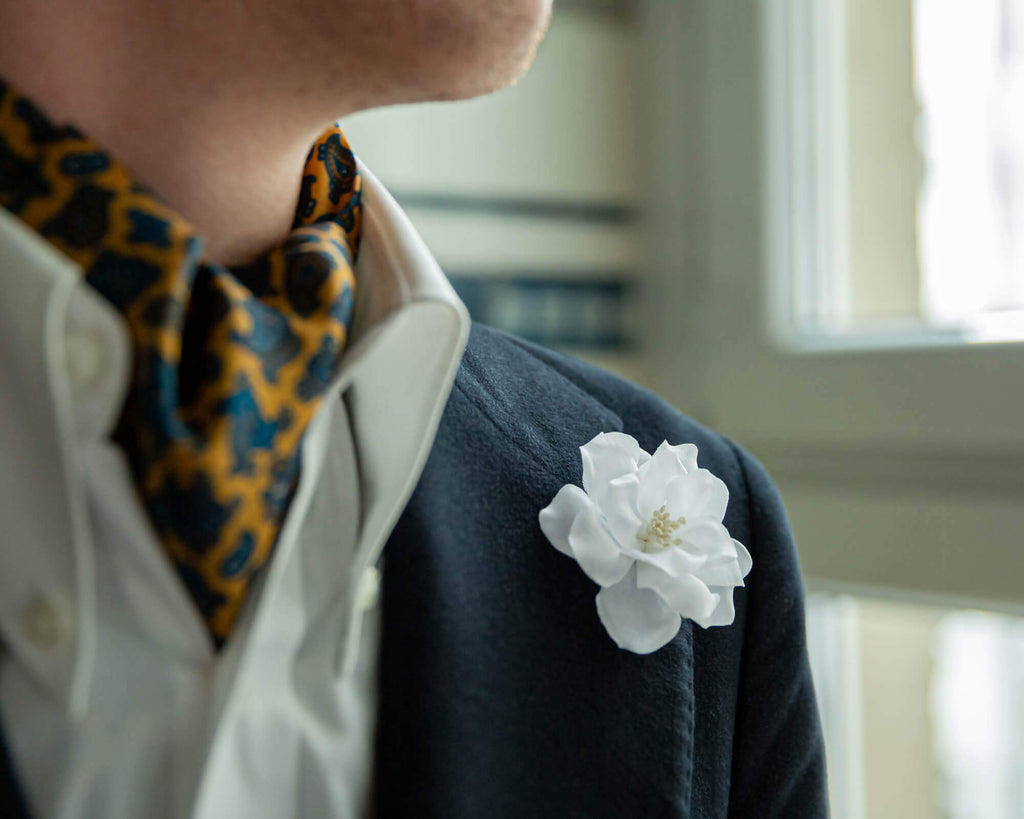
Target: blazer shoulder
{"points": [[755, 514], [638, 411]]}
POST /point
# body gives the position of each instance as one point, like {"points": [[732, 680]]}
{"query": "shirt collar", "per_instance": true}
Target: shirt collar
{"points": [[64, 365]]}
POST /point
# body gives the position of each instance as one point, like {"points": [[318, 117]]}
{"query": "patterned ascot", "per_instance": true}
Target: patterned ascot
{"points": [[229, 365]]}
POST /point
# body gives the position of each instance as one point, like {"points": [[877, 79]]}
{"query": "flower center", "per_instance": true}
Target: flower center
{"points": [[656, 534]]}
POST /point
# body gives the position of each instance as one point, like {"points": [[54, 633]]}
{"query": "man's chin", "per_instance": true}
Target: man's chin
{"points": [[531, 52], [487, 61]]}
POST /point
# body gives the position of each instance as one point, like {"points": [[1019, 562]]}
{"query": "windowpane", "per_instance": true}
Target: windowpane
{"points": [[970, 80], [906, 138]]}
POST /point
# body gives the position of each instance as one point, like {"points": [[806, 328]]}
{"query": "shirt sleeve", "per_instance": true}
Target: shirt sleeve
{"points": [[778, 765]]}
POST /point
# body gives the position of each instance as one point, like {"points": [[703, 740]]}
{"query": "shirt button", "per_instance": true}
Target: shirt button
{"points": [[84, 354], [369, 589], [45, 622]]}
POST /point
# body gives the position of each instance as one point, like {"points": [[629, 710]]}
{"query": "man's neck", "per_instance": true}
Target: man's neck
{"points": [[225, 156]]}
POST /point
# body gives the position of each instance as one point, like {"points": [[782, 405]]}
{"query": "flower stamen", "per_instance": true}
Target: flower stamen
{"points": [[656, 534]]}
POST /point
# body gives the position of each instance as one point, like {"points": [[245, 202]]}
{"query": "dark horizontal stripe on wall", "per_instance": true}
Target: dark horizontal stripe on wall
{"points": [[557, 312], [597, 212], [618, 8]]}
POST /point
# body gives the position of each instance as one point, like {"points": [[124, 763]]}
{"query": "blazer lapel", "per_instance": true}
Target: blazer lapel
{"points": [[500, 691]]}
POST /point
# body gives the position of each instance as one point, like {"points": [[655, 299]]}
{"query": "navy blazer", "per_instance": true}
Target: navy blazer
{"points": [[501, 694]]}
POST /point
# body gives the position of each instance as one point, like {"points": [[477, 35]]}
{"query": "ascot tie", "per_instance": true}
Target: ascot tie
{"points": [[229, 364]]}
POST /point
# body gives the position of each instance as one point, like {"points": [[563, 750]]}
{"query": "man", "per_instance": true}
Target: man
{"points": [[233, 384]]}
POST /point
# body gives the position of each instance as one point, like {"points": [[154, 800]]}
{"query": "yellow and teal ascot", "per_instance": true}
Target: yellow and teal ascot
{"points": [[229, 365]]}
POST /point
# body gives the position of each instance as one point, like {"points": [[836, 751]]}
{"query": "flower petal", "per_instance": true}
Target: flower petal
{"points": [[556, 518], [698, 495], [607, 456], [685, 595], [674, 561], [619, 509], [721, 572], [636, 619], [655, 477], [707, 537], [596, 550], [726, 570], [743, 556], [687, 455], [724, 612]]}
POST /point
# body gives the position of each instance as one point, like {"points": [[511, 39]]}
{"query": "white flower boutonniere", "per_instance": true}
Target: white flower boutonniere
{"points": [[648, 530]]}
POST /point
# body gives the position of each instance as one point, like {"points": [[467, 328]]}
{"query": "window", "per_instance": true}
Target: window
{"points": [[893, 449], [901, 168], [971, 210]]}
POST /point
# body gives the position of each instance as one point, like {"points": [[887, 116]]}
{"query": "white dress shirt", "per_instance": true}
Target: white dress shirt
{"points": [[113, 702]]}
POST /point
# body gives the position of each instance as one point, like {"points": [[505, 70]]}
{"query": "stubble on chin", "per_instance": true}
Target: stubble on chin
{"points": [[489, 45], [384, 52]]}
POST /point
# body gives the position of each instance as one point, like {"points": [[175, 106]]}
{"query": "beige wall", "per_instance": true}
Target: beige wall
{"points": [[885, 168]]}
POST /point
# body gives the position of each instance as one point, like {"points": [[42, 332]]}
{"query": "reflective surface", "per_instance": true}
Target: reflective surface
{"points": [[923, 708]]}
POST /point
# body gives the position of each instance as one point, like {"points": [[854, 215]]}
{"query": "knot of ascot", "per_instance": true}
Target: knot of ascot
{"points": [[229, 363]]}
